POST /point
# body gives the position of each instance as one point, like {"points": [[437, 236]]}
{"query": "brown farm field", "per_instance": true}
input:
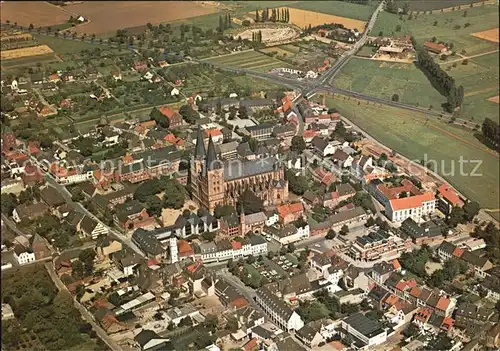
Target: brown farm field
{"points": [[495, 99], [303, 18], [490, 34], [105, 17], [25, 52], [39, 13]]}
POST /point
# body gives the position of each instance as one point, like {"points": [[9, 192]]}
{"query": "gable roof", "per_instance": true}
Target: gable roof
{"points": [[51, 196], [88, 224]]}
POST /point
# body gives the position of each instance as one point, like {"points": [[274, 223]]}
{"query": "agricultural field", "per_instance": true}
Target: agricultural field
{"points": [[420, 5], [415, 135], [384, 79], [422, 27], [490, 34], [38, 13], [250, 60], [108, 16], [25, 52], [480, 80], [338, 8], [304, 18], [366, 51]]}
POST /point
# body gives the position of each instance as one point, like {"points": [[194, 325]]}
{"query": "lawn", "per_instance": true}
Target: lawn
{"points": [[383, 79], [480, 80], [422, 27], [420, 5], [337, 8], [28, 61], [366, 51], [250, 60], [414, 135]]}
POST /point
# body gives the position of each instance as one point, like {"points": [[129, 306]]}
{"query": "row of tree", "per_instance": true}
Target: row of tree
{"points": [[276, 15], [491, 131], [225, 22], [257, 36], [443, 80], [393, 7]]}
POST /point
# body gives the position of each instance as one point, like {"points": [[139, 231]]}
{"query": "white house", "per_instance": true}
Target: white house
{"points": [[311, 74], [74, 178], [233, 95], [91, 227], [272, 218], [322, 146], [278, 311], [287, 234], [174, 92], [23, 256], [398, 210]]}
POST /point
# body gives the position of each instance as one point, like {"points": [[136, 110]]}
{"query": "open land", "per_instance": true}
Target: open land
{"points": [[490, 34], [416, 136], [108, 16], [338, 8], [25, 52], [303, 18], [422, 27], [383, 79], [38, 13], [250, 60], [480, 80], [438, 4]]}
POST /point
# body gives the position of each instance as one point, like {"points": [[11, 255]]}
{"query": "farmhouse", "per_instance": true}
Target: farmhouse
{"points": [[435, 48]]}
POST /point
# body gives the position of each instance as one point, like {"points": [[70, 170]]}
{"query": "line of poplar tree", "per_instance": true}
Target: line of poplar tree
{"points": [[274, 15]]}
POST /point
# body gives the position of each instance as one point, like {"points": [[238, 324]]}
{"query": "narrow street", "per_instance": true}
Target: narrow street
{"points": [[83, 311]]}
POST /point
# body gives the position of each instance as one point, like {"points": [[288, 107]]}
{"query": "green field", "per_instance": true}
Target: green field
{"points": [[383, 79], [366, 51], [28, 61], [422, 27], [480, 80], [250, 60], [414, 135], [337, 8], [67, 46]]}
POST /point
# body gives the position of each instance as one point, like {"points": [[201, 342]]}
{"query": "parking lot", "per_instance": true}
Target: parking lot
{"points": [[281, 267]]}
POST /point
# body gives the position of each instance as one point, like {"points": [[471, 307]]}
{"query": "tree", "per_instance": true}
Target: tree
{"points": [[298, 144], [465, 62], [395, 97], [251, 203], [188, 114], [291, 248], [160, 119], [242, 112], [344, 230], [456, 216], [154, 205], [87, 257], [77, 269], [186, 322], [331, 234], [211, 321], [209, 236], [471, 210], [297, 184], [223, 211], [174, 194], [398, 28]]}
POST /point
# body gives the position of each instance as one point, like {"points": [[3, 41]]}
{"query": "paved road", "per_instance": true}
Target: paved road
{"points": [[83, 311]]}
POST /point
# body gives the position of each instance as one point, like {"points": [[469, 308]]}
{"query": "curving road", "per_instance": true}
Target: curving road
{"points": [[83, 311]]}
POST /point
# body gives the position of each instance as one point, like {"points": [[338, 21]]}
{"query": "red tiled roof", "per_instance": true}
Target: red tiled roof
{"points": [[447, 323], [443, 303], [392, 300], [450, 195], [184, 248], [395, 264], [285, 210], [252, 344], [434, 46], [212, 132], [236, 245], [309, 133], [411, 201], [415, 292], [457, 252], [401, 285], [152, 262], [239, 302], [168, 112]]}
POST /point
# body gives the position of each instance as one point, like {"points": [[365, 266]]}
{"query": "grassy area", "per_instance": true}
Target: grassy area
{"points": [[250, 60], [414, 136], [435, 5], [480, 80], [422, 27], [338, 8], [366, 51], [256, 83], [383, 79], [68, 46]]}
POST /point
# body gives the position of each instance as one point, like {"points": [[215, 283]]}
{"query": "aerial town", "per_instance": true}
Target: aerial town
{"points": [[247, 175]]}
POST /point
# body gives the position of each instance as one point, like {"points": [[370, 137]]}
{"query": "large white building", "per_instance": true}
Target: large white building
{"points": [[287, 234], [278, 311], [23, 256], [223, 250], [365, 331]]}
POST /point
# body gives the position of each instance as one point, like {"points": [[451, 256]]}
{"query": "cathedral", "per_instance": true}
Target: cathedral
{"points": [[215, 182]]}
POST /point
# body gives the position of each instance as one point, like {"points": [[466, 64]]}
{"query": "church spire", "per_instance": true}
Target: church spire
{"points": [[211, 160], [200, 145]]}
